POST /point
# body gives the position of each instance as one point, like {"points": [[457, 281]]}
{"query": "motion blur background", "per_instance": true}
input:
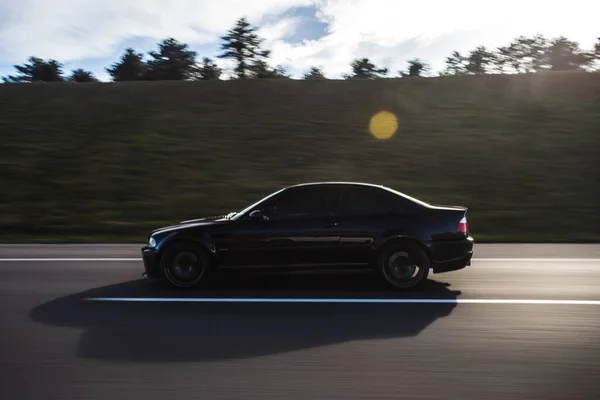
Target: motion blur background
{"points": [[499, 112]]}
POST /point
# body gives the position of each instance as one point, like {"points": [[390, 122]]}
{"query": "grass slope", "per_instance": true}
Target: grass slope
{"points": [[85, 162]]}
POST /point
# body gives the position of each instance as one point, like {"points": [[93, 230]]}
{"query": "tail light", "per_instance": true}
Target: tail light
{"points": [[463, 226]]}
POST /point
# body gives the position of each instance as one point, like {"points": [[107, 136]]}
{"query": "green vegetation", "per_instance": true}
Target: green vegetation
{"points": [[96, 161], [175, 61]]}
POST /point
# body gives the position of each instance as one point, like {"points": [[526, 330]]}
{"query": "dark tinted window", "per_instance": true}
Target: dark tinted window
{"points": [[301, 202], [400, 204], [364, 200]]}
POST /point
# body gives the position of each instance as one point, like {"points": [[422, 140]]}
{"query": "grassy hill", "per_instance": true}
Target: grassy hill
{"points": [[111, 161]]}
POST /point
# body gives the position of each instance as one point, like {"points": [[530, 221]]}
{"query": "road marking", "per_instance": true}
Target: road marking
{"points": [[125, 259], [533, 259], [67, 259], [327, 300]]}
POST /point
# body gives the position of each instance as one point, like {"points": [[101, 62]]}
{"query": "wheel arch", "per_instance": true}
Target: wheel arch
{"points": [[203, 242], [400, 239]]}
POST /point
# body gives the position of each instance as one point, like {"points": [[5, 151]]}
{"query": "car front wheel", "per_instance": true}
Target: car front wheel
{"points": [[185, 265], [403, 265]]}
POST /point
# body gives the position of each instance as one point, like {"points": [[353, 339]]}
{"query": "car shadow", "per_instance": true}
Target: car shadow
{"points": [[176, 332]]}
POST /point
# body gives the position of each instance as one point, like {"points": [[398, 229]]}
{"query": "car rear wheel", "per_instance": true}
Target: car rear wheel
{"points": [[403, 265], [185, 265]]}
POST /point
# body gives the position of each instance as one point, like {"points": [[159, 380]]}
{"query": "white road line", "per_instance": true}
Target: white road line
{"points": [[125, 259], [328, 300], [67, 259], [533, 259]]}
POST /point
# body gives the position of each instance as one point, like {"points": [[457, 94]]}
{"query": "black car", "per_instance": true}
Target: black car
{"points": [[315, 226]]}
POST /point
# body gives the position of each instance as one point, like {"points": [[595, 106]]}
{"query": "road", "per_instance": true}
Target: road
{"points": [[55, 344]]}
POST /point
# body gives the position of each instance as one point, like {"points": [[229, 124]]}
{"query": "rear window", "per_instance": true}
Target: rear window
{"points": [[367, 200], [363, 200]]}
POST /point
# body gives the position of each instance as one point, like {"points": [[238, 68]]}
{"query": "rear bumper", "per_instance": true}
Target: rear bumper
{"points": [[452, 256], [151, 259]]}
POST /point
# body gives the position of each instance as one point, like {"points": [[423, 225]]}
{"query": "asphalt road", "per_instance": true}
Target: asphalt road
{"points": [[56, 345]]}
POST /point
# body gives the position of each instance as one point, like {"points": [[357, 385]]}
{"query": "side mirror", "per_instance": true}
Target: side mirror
{"points": [[257, 215]]}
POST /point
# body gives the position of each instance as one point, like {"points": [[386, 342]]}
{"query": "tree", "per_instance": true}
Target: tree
{"points": [[80, 75], [207, 70], [242, 44], [313, 74], [523, 55], [456, 64], [503, 59], [131, 67], [37, 70], [479, 60], [260, 70], [172, 62], [565, 55], [538, 48], [365, 69], [416, 67], [596, 53], [279, 72]]}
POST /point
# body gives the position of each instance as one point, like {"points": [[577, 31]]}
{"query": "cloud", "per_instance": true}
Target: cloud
{"points": [[386, 31], [77, 29], [279, 30], [392, 32]]}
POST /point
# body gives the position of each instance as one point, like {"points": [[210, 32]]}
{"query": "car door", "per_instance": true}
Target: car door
{"points": [[298, 231], [363, 213]]}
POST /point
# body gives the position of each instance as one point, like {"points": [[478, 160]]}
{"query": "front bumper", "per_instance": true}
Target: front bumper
{"points": [[151, 259], [452, 256]]}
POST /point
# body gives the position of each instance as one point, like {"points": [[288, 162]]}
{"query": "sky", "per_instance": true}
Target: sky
{"points": [[329, 34]]}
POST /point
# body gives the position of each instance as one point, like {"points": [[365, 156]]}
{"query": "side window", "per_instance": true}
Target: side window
{"points": [[303, 202], [358, 201]]}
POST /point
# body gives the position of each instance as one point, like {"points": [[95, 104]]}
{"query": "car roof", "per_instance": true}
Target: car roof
{"points": [[382, 187], [335, 183]]}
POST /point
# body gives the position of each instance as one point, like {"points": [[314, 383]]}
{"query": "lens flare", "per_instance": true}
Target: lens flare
{"points": [[383, 125]]}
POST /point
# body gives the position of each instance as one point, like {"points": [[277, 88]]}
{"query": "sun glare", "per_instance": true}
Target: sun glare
{"points": [[383, 125]]}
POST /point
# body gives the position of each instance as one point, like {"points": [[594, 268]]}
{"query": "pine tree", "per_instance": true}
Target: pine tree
{"points": [[416, 67], [242, 44], [37, 70], [207, 70], [80, 75], [314, 73], [365, 69], [131, 67], [172, 62]]}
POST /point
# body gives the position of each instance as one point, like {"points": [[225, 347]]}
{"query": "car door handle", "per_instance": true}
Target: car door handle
{"points": [[331, 225]]}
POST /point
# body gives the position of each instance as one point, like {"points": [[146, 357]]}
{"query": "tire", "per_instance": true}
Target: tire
{"points": [[403, 265], [185, 265]]}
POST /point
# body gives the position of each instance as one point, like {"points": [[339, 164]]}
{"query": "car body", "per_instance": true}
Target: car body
{"points": [[313, 226]]}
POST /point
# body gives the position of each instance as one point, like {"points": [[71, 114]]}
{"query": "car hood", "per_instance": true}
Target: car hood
{"points": [[206, 221]]}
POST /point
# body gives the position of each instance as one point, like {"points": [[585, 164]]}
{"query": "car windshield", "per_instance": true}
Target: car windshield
{"points": [[251, 207]]}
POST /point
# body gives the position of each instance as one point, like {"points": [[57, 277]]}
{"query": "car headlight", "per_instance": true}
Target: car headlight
{"points": [[152, 242]]}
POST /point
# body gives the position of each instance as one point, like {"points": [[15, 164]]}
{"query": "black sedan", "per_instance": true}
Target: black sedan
{"points": [[315, 226]]}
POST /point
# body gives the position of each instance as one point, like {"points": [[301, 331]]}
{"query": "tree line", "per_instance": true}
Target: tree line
{"points": [[175, 61]]}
